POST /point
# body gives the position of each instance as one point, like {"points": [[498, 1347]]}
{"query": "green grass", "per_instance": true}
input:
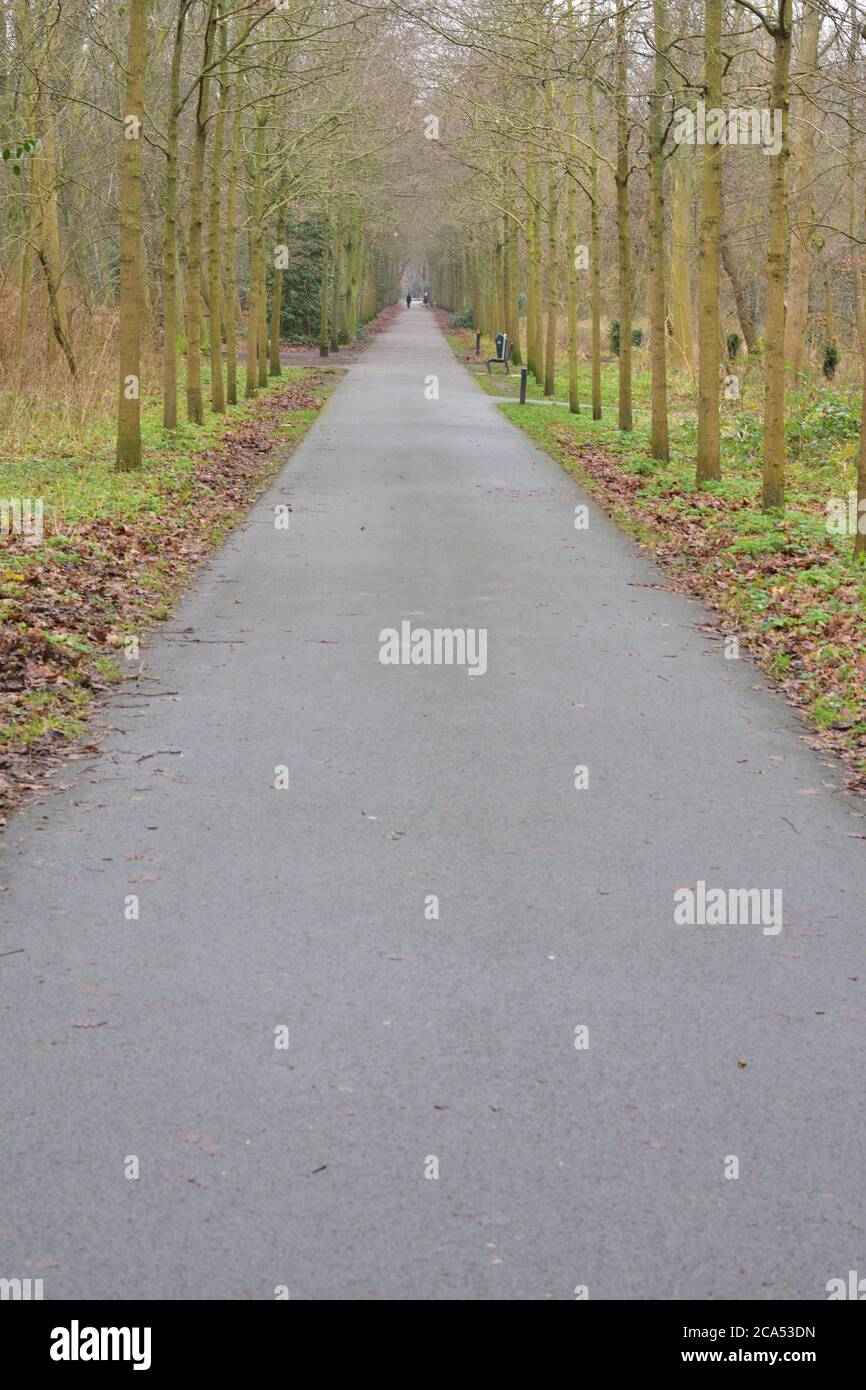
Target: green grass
{"points": [[77, 480]]}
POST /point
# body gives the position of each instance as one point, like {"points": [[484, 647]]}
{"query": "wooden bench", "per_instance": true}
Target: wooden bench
{"points": [[505, 361]]}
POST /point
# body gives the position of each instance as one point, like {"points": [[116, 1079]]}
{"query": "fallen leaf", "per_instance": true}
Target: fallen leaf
{"points": [[207, 1146]]}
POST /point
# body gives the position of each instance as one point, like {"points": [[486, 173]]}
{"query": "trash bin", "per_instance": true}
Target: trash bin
{"points": [[501, 345]]}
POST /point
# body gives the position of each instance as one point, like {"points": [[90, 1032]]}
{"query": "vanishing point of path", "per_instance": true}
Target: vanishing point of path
{"points": [[412, 1038]]}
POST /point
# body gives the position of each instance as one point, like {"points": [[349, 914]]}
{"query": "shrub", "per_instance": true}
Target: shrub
{"points": [[813, 424], [613, 337]]}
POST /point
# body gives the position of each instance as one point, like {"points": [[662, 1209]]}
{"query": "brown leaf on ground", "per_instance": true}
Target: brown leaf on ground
{"points": [[190, 1136], [60, 618]]}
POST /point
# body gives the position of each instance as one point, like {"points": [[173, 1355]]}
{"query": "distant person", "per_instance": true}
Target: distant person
{"points": [[408, 301], [426, 297]]}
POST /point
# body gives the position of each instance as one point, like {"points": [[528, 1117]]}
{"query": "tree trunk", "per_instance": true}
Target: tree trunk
{"points": [[277, 305], [831, 336], [851, 167], [538, 273], [263, 315], [512, 274], [336, 281], [129, 404], [623, 231], [531, 318], [194, 401], [571, 236], [230, 304], [552, 281], [323, 286], [741, 298], [709, 319], [594, 237], [860, 538], [773, 494], [55, 320], [26, 276], [501, 318], [658, 355], [256, 307], [214, 249], [169, 231], [682, 312], [802, 199], [24, 34], [44, 171]]}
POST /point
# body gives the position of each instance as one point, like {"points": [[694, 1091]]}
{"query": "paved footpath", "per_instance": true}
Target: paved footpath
{"points": [[412, 1038]]}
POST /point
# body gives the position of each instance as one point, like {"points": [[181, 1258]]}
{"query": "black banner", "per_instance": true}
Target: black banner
{"points": [[153, 1339]]}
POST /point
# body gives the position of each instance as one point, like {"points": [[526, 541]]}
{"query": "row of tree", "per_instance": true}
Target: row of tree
{"points": [[165, 160], [687, 165], [699, 162]]}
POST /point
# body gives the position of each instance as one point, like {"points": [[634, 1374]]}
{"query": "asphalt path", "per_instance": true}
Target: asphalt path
{"points": [[567, 1160]]}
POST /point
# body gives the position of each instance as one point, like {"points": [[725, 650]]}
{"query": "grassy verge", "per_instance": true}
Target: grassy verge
{"points": [[784, 587], [117, 549]]}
